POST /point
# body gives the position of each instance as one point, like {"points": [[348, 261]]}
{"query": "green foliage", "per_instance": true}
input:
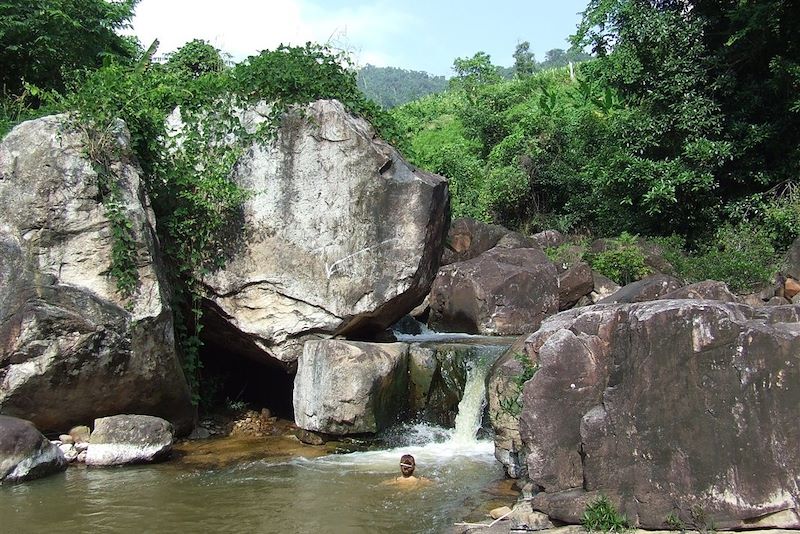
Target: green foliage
{"points": [[511, 404], [524, 60], [741, 255], [623, 261], [390, 87], [187, 171], [194, 59], [473, 72], [41, 40], [674, 522], [601, 515]]}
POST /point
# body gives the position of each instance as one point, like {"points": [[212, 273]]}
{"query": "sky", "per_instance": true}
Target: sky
{"points": [[411, 34]]}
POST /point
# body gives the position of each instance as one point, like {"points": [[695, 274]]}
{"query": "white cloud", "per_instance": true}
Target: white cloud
{"points": [[244, 27]]}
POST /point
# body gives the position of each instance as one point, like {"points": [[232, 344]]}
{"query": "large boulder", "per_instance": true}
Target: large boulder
{"points": [[501, 292], [576, 282], [341, 236], [667, 407], [25, 453], [129, 439], [650, 288], [71, 347], [468, 238], [350, 387], [792, 263], [706, 290]]}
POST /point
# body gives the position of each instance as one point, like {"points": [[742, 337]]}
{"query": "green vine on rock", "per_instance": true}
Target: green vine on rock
{"points": [[511, 404]]}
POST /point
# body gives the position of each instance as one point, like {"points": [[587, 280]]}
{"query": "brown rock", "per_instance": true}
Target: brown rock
{"points": [[573, 284], [502, 511], [501, 292], [791, 287], [671, 406], [603, 287], [468, 238]]}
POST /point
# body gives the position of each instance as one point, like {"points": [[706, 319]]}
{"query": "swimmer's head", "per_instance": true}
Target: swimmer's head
{"points": [[407, 465]]}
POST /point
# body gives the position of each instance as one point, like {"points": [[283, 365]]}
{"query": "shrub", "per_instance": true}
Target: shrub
{"points": [[601, 515], [623, 262]]}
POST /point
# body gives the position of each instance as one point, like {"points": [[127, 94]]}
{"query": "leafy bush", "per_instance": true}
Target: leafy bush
{"points": [[511, 404], [623, 262], [601, 515]]}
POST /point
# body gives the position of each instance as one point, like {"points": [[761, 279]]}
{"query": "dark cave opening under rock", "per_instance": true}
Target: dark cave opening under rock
{"points": [[235, 373]]}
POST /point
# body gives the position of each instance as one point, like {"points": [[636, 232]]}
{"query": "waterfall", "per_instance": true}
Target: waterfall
{"points": [[473, 401]]}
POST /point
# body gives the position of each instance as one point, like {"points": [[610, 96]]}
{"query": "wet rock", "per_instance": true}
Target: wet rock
{"points": [[350, 387], [671, 406], [71, 347], [573, 284], [502, 511], [501, 292], [310, 438], [129, 439], [649, 288], [707, 290], [200, 432], [25, 453], [526, 518], [339, 236]]}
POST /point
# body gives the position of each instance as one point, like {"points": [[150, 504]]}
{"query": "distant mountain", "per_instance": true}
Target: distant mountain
{"points": [[390, 87]]}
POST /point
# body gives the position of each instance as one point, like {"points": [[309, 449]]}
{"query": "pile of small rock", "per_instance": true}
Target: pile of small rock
{"points": [[252, 423], [74, 444]]}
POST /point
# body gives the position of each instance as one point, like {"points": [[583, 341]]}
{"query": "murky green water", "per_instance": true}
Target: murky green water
{"points": [[339, 493], [331, 494]]}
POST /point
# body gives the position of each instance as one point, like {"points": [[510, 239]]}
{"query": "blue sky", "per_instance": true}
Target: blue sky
{"points": [[412, 34]]}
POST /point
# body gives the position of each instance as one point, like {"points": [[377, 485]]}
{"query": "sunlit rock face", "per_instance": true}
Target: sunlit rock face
{"points": [[71, 347], [672, 407], [338, 236]]}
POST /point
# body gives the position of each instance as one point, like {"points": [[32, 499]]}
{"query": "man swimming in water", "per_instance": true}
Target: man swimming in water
{"points": [[407, 478]]}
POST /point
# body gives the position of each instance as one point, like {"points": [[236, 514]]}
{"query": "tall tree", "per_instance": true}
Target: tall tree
{"points": [[524, 60], [41, 40]]}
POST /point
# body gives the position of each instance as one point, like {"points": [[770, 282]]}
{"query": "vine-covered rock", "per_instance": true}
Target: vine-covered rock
{"points": [[72, 346], [338, 236], [673, 408]]}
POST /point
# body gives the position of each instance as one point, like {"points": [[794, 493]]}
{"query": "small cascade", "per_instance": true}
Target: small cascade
{"points": [[473, 401]]}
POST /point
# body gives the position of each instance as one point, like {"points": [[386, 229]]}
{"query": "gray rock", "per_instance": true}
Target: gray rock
{"points": [[129, 439], [501, 292], [339, 236], [549, 238], [792, 263], [649, 288], [72, 348], [707, 290], [25, 453], [80, 434], [66, 438], [671, 406], [350, 387]]}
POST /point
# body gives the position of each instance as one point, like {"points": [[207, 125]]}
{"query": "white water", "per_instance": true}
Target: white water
{"points": [[432, 446]]}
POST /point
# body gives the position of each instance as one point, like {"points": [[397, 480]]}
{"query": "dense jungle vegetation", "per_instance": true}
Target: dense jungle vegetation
{"points": [[683, 126]]}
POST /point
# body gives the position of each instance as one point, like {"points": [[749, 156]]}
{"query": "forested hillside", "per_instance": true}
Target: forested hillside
{"points": [[686, 125]]}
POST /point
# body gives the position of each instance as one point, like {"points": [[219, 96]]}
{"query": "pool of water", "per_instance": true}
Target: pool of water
{"points": [[279, 491], [336, 493]]}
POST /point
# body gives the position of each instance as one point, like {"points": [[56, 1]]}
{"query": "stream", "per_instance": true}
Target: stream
{"points": [[336, 493]]}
